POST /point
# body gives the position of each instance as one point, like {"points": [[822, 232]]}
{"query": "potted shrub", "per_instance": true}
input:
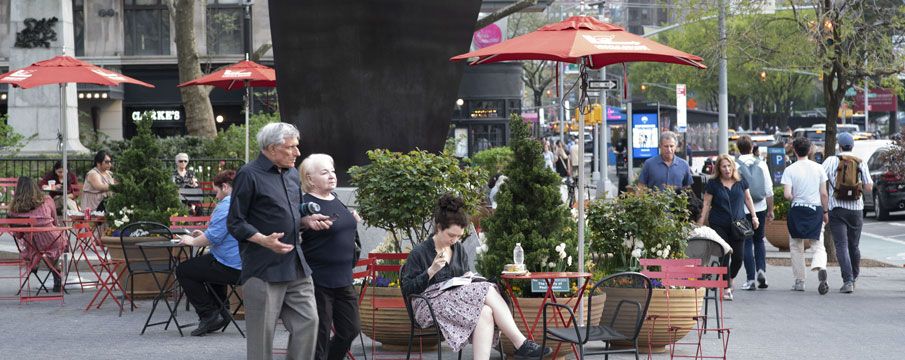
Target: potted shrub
{"points": [[397, 192], [644, 223], [530, 211], [144, 191], [777, 231]]}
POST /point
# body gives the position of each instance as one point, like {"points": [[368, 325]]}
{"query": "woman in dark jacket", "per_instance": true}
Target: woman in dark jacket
{"points": [[725, 196], [464, 312], [331, 255]]}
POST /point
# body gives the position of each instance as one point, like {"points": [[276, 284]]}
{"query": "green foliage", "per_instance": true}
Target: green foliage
{"points": [[529, 211], [640, 224], [780, 204], [398, 192], [10, 140], [493, 160], [144, 183], [230, 143]]}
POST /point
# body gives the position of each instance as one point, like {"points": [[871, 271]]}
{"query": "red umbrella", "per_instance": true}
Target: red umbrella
{"points": [[588, 42], [63, 70], [244, 74], [582, 38]]}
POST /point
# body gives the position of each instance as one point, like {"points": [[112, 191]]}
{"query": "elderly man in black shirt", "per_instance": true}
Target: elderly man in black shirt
{"points": [[264, 217]]}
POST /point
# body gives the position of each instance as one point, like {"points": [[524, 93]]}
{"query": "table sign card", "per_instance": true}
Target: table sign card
{"points": [[559, 285]]}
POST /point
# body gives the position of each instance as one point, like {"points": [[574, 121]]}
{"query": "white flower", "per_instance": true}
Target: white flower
{"points": [[659, 253], [551, 265], [561, 247], [117, 223], [627, 243], [636, 253], [639, 244], [484, 247], [126, 218], [477, 250], [569, 261], [562, 255], [668, 248]]}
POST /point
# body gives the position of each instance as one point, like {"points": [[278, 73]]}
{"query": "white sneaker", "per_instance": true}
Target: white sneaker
{"points": [[799, 285], [749, 285], [727, 294]]}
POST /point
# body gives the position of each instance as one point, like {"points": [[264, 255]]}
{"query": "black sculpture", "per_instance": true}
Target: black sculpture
{"points": [[355, 75]]}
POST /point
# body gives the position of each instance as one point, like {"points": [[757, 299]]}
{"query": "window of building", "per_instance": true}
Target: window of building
{"points": [[484, 137], [485, 109], [78, 25], [146, 27], [225, 27]]}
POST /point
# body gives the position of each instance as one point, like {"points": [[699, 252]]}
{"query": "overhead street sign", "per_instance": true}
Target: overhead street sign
{"points": [[604, 85]]}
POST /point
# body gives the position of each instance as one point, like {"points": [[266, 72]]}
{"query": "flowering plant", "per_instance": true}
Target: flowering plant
{"points": [[643, 223]]}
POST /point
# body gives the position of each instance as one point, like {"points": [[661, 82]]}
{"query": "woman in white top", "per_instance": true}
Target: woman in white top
{"points": [[97, 182]]}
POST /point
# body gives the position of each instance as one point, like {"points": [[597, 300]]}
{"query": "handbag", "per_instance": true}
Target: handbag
{"points": [[741, 228]]}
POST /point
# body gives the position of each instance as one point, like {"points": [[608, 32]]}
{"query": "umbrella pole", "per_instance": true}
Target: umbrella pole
{"points": [[581, 175], [65, 165], [247, 101]]}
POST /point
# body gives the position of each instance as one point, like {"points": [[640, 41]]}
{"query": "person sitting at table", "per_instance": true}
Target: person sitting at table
{"points": [[183, 177], [97, 182], [72, 188], [222, 265], [30, 202], [463, 313]]}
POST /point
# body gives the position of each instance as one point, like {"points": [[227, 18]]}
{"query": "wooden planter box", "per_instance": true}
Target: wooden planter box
{"points": [[389, 327], [683, 305], [777, 233], [531, 306]]}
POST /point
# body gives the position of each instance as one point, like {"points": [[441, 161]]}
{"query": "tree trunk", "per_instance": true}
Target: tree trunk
{"points": [[199, 114], [537, 97]]}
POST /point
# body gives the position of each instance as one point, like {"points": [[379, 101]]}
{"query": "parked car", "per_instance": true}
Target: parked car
{"points": [[889, 188]]}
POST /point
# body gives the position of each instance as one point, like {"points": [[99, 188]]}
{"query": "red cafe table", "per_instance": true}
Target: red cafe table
{"points": [[549, 296]]}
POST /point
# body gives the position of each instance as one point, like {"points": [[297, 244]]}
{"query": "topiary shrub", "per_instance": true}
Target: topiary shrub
{"points": [[529, 211], [144, 188], [398, 192], [494, 160]]}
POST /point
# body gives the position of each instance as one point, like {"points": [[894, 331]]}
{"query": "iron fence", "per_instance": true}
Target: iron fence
{"points": [[36, 167]]}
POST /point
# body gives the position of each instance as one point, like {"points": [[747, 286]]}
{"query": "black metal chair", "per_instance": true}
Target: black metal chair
{"points": [[156, 263], [711, 253], [416, 331], [623, 316], [231, 291]]}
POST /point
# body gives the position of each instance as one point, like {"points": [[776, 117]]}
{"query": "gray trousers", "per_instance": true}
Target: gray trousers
{"points": [[294, 303], [845, 225]]}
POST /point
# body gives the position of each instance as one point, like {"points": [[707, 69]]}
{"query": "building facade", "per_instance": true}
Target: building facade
{"points": [[137, 38]]}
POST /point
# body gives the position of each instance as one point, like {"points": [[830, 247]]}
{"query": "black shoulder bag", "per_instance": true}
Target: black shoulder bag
{"points": [[741, 228]]}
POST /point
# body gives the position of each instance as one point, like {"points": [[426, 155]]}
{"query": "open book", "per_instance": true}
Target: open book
{"points": [[465, 279]]}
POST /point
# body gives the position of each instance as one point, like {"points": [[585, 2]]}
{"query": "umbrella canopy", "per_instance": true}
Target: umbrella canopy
{"points": [[233, 77], [582, 38], [65, 69], [62, 70]]}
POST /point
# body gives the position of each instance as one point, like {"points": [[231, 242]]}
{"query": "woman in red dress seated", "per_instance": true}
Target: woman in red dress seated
{"points": [[30, 202]]}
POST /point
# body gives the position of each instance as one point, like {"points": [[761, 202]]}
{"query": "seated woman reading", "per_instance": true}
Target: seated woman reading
{"points": [[466, 312]]}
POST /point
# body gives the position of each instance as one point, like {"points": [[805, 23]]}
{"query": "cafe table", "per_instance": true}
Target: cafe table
{"points": [[549, 297], [177, 252]]}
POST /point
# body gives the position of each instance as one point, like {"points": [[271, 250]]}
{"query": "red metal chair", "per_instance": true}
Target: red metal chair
{"points": [[7, 227], [189, 222]]}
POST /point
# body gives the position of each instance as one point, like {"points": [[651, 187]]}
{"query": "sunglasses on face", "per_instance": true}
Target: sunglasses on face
{"points": [[182, 161]]}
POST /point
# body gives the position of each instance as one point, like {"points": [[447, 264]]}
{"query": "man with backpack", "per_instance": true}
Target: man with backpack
{"points": [[848, 178], [756, 173]]}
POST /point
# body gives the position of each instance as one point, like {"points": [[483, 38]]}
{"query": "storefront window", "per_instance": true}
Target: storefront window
{"points": [[484, 137], [146, 27], [225, 27], [78, 26]]}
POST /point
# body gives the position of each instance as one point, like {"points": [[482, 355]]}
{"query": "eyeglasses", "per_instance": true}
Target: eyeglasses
{"points": [[108, 161], [182, 161]]}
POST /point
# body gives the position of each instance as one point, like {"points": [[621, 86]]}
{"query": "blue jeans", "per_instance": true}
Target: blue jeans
{"points": [[754, 248]]}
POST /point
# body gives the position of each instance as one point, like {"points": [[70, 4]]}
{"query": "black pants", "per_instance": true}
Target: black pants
{"points": [[337, 309], [195, 272], [738, 250]]}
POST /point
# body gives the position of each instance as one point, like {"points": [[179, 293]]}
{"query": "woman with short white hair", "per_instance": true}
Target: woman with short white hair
{"points": [[331, 255], [182, 176]]}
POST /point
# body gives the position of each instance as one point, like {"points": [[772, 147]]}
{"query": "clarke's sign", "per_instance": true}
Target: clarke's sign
{"points": [[159, 115]]}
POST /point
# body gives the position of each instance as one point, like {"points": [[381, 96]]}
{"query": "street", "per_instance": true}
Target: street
{"points": [[884, 240]]}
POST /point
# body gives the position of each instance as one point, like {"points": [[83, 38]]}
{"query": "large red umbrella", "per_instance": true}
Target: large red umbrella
{"points": [[588, 42], [242, 75], [582, 38], [63, 70]]}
